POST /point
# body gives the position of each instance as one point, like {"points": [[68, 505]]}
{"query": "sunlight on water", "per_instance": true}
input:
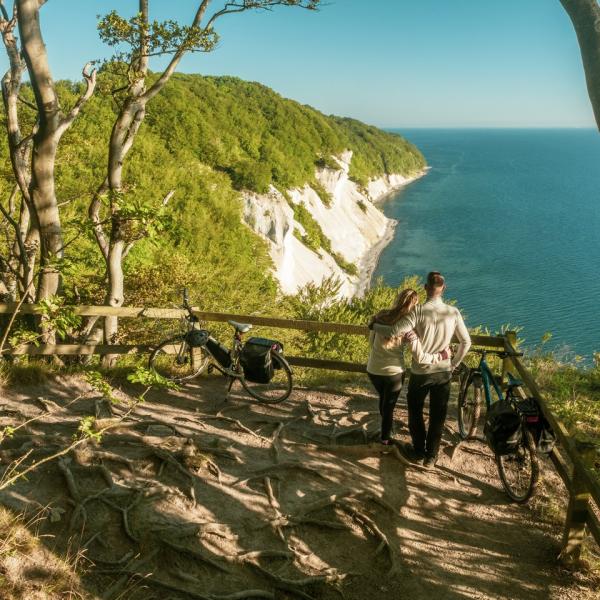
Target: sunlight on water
{"points": [[512, 218]]}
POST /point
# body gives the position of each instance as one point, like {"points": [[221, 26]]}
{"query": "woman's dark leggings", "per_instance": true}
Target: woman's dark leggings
{"points": [[388, 387]]}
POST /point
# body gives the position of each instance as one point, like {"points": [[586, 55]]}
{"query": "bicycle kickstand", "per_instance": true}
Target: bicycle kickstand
{"points": [[229, 386]]}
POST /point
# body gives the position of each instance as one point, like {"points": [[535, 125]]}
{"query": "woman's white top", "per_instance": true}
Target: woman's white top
{"points": [[390, 361]]}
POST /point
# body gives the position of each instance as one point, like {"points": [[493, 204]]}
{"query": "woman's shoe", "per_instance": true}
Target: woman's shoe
{"points": [[386, 446]]}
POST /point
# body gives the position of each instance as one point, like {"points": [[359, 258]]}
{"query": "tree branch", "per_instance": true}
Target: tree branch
{"points": [[94, 215], [166, 74], [27, 103], [18, 235], [236, 7], [90, 80]]}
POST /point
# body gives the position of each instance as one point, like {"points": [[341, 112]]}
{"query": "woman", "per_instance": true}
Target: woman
{"points": [[386, 359]]}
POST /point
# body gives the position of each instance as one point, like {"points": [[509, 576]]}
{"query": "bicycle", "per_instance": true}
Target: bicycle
{"points": [[518, 469], [187, 355]]}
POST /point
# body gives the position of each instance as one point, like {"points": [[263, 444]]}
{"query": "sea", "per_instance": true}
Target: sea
{"points": [[511, 217]]}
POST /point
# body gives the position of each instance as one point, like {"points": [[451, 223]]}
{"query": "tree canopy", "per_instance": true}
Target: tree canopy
{"points": [[204, 138]]}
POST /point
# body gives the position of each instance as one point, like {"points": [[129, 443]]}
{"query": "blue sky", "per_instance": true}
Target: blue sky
{"points": [[392, 63]]}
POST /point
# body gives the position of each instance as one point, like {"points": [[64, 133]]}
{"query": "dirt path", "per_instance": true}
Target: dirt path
{"points": [[204, 498]]}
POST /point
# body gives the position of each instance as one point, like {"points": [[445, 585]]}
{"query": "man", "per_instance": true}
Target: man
{"points": [[435, 323]]}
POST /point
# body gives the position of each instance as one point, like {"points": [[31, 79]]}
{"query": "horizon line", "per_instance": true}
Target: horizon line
{"points": [[513, 127]]}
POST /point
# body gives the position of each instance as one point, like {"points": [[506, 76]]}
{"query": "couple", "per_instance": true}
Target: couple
{"points": [[427, 329]]}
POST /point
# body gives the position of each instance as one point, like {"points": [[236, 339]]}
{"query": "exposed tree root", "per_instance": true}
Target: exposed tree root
{"points": [[275, 443], [236, 422], [188, 593], [197, 554], [335, 435], [289, 464], [311, 413], [168, 458], [125, 514], [276, 508], [292, 584], [369, 524], [103, 408], [84, 456], [129, 570], [48, 405], [199, 530], [257, 554]]}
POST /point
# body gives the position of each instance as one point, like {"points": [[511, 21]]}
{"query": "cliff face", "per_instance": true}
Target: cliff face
{"points": [[356, 228]]}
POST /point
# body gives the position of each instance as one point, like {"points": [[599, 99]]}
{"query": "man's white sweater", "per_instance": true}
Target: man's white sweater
{"points": [[435, 323]]}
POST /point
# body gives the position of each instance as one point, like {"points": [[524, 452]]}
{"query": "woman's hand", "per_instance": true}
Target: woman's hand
{"points": [[389, 343], [446, 353], [411, 336]]}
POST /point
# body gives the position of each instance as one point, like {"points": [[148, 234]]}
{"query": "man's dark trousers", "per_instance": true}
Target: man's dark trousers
{"points": [[437, 385]]}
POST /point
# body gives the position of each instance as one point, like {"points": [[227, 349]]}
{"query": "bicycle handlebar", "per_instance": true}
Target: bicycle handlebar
{"points": [[186, 302]]}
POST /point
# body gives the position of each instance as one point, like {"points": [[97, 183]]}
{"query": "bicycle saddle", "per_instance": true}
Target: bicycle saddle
{"points": [[241, 327]]}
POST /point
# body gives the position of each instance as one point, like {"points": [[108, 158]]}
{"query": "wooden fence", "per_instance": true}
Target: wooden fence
{"points": [[584, 489]]}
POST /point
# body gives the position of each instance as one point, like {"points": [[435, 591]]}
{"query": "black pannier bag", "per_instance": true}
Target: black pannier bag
{"points": [[503, 430], [219, 352], [544, 436], [256, 359]]}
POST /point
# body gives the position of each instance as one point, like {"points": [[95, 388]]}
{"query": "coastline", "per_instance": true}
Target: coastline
{"points": [[369, 262]]}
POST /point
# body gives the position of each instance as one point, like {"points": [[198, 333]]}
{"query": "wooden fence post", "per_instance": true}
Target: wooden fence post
{"points": [[577, 513], [511, 338]]}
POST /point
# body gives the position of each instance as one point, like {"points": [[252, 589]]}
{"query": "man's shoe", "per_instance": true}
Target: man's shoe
{"points": [[429, 462], [411, 454]]}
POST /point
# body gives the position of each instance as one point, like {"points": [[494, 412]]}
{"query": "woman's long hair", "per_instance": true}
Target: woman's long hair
{"points": [[405, 302]]}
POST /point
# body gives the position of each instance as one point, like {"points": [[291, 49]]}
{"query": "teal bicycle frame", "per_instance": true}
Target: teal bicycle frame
{"points": [[488, 380]]}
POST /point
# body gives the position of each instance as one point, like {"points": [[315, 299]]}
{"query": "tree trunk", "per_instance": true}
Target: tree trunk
{"points": [[114, 297], [44, 199], [45, 143], [585, 15], [26, 241]]}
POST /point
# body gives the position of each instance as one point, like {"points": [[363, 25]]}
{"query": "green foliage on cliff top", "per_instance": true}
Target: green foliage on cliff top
{"points": [[205, 138], [258, 137]]}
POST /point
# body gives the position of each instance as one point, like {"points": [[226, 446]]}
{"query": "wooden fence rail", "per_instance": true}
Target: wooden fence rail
{"points": [[583, 488]]}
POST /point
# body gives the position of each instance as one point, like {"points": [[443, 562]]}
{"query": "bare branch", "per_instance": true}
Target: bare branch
{"points": [[244, 5], [94, 215], [166, 74], [90, 80], [27, 103], [7, 21], [15, 226], [27, 139]]}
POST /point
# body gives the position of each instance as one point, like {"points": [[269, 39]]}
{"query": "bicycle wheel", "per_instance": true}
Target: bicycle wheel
{"points": [[469, 407], [176, 360], [278, 389], [519, 471]]}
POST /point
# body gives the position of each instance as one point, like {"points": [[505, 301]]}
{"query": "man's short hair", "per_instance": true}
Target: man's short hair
{"points": [[435, 280]]}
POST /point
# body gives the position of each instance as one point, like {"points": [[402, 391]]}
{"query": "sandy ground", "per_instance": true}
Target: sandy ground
{"points": [[199, 497]]}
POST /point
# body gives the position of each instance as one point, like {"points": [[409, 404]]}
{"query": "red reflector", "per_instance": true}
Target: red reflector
{"points": [[532, 419]]}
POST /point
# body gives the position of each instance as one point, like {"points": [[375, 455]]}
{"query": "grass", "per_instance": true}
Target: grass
{"points": [[574, 397], [25, 372], [27, 569]]}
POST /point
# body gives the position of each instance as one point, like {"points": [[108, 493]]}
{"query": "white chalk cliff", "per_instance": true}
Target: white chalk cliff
{"points": [[357, 229]]}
